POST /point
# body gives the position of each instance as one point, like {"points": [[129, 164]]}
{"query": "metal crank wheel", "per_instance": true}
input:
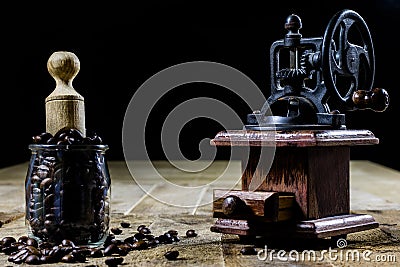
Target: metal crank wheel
{"points": [[348, 60]]}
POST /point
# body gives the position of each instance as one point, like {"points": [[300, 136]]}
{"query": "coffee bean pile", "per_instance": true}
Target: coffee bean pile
{"points": [[67, 136], [68, 190], [28, 250]]}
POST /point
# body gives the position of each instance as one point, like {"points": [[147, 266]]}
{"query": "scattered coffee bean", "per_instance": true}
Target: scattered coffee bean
{"points": [[25, 250], [116, 231], [125, 224], [140, 227], [171, 255], [248, 250], [145, 231], [139, 245], [191, 233], [172, 232], [114, 261], [97, 253]]}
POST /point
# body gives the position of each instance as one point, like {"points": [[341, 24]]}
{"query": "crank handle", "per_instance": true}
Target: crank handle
{"points": [[377, 99]]}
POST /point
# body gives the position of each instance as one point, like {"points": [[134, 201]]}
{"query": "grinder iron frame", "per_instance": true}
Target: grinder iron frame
{"points": [[304, 190]]}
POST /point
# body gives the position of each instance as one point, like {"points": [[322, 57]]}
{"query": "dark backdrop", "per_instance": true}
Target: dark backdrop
{"points": [[121, 46]]}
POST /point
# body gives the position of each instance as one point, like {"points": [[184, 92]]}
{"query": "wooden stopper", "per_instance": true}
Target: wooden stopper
{"points": [[65, 107]]}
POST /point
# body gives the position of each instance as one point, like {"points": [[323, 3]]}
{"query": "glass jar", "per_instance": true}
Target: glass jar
{"points": [[67, 191]]}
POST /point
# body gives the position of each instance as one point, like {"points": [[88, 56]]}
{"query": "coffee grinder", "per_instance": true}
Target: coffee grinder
{"points": [[304, 191]]}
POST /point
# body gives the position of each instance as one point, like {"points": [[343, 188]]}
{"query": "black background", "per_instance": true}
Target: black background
{"points": [[121, 46]]}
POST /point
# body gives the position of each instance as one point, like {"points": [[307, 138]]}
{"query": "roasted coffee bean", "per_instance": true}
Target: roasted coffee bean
{"points": [[48, 259], [171, 255], [172, 232], [69, 258], [149, 237], [25, 250], [153, 243], [108, 240], [145, 231], [7, 241], [140, 227], [248, 250], [139, 245], [114, 261], [191, 233], [45, 245], [23, 239], [79, 256], [41, 138], [130, 240], [67, 243], [32, 259], [110, 249], [32, 242], [123, 249], [125, 224], [97, 253], [139, 236], [161, 238], [18, 255], [45, 183], [10, 249], [32, 250], [116, 231]]}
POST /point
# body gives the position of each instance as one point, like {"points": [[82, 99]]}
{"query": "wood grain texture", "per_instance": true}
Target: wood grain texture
{"points": [[317, 176], [210, 248], [64, 107], [294, 138], [265, 206]]}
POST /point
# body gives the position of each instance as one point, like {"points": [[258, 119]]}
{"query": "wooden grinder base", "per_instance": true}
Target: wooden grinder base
{"points": [[313, 166]]}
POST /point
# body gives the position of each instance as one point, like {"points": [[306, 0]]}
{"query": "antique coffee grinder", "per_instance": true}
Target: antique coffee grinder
{"points": [[304, 190]]}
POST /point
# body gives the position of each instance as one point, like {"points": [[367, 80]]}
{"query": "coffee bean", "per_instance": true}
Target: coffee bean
{"points": [[171, 255], [145, 231], [32, 242], [139, 236], [130, 240], [110, 249], [69, 258], [116, 231], [153, 243], [32, 259], [139, 245], [7, 241], [26, 249], [41, 138], [79, 255], [23, 239], [67, 243], [114, 261], [125, 224], [248, 250], [140, 227], [48, 259], [191, 233], [172, 232]]}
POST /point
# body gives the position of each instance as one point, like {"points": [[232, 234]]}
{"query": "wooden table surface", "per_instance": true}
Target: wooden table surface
{"points": [[374, 190]]}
